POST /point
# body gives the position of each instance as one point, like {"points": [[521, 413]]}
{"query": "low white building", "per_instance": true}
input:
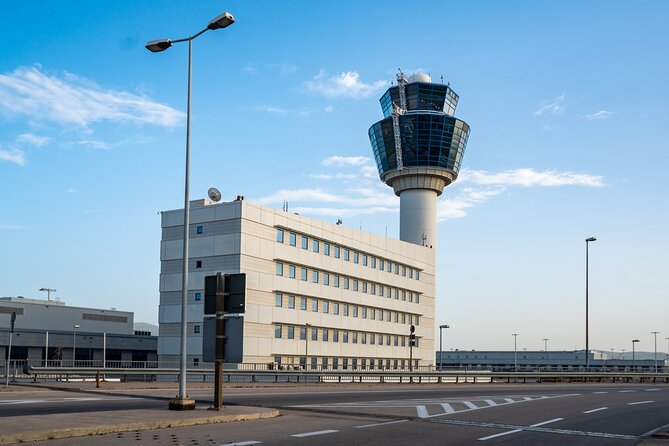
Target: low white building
{"points": [[342, 297]]}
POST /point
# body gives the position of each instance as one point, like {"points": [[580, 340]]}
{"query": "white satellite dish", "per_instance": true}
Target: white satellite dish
{"points": [[214, 194]]}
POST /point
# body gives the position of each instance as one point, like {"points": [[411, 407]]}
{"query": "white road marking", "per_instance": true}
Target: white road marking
{"points": [[640, 402], [447, 408], [509, 400], [380, 424], [598, 393], [656, 430], [470, 405], [595, 410], [626, 391], [241, 443], [422, 412], [491, 402], [61, 400], [520, 430], [652, 390], [309, 434]]}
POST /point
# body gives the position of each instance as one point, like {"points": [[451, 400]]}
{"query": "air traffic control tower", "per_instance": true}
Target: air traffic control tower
{"points": [[418, 148]]}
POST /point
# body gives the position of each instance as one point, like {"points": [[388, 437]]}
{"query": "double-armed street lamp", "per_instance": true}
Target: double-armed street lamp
{"points": [[587, 346], [655, 333], [441, 351], [219, 22]]}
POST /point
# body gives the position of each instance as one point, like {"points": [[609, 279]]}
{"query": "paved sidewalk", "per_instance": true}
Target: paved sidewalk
{"points": [[67, 425]]}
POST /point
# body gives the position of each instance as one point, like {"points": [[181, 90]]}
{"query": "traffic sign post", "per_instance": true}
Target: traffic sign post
{"points": [[412, 343]]}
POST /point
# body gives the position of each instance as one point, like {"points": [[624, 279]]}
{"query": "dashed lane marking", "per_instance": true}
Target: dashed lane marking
{"points": [[310, 434], [626, 391], [599, 393], [519, 430], [242, 443], [61, 400], [380, 424], [595, 410], [422, 411], [639, 402]]}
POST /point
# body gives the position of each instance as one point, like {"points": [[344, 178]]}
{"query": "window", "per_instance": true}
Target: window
{"points": [[198, 264], [305, 242], [417, 275], [396, 343], [293, 239], [345, 340], [279, 235], [410, 296], [314, 334], [404, 271], [326, 249], [364, 312], [417, 298], [303, 273], [404, 341], [387, 339], [345, 309], [277, 331], [291, 301], [372, 340], [291, 271], [336, 252], [335, 335], [373, 288], [347, 254], [381, 315], [372, 313], [397, 268], [196, 328], [335, 363], [291, 332], [364, 287], [199, 229], [278, 300], [324, 362], [411, 318], [417, 320], [373, 262], [388, 292], [356, 257], [326, 307], [279, 269], [397, 317], [389, 267], [381, 290], [355, 337], [196, 362], [314, 305], [335, 308], [314, 276], [315, 246], [326, 278], [363, 338], [336, 281], [410, 273], [381, 264], [355, 311], [404, 295], [397, 293], [346, 283], [389, 314], [198, 296], [303, 333], [364, 260], [277, 359], [326, 335], [355, 284], [404, 318], [303, 303]]}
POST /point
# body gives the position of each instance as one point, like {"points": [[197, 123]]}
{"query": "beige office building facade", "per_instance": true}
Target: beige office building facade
{"points": [[317, 293]]}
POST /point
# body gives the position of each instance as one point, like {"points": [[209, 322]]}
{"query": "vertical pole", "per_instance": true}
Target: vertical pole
{"points": [[515, 352], [306, 347], [184, 274], [74, 347], [46, 350], [655, 355], [587, 350], [104, 350], [410, 356], [218, 385], [9, 357], [633, 359], [441, 351]]}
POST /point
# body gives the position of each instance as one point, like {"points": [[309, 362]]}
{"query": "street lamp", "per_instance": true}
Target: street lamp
{"points": [[12, 320], [74, 344], [48, 292], [587, 349], [655, 333], [306, 346], [667, 353], [441, 351], [515, 352], [546, 344], [182, 402], [634, 341]]}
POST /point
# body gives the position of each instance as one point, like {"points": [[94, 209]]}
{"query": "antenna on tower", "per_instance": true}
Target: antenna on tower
{"points": [[397, 111], [442, 79], [424, 237]]}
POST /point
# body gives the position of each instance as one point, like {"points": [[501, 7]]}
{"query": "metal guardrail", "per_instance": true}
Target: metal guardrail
{"points": [[381, 376]]}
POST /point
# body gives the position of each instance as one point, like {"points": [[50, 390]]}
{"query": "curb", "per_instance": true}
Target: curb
{"points": [[53, 434]]}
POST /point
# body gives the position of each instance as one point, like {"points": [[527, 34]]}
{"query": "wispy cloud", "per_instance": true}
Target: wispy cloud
{"points": [[284, 68], [301, 113], [337, 160], [11, 227], [601, 114], [553, 107], [72, 190], [456, 206], [68, 99], [346, 84], [530, 178], [14, 155], [328, 109], [35, 140]]}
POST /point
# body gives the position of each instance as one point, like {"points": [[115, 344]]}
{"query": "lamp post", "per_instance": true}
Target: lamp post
{"points": [[74, 344], [655, 333], [441, 351], [546, 344], [182, 402], [9, 348], [587, 347], [515, 352], [634, 341], [48, 292], [306, 345], [667, 353]]}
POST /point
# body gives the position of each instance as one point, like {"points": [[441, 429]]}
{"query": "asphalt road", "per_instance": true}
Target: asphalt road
{"points": [[390, 415]]}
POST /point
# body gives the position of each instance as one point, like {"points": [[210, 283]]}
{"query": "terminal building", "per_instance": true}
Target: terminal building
{"points": [[319, 293], [52, 331]]}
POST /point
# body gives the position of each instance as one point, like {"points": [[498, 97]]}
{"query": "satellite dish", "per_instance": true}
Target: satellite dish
{"points": [[214, 194]]}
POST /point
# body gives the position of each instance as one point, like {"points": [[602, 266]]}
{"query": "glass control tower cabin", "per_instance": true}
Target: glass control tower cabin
{"points": [[418, 148]]}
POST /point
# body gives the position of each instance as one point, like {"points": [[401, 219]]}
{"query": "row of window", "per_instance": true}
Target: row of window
{"points": [[346, 363], [348, 255], [329, 307], [344, 282], [346, 336]]}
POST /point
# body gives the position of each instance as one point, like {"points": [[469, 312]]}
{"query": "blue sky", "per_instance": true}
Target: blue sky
{"points": [[567, 102]]}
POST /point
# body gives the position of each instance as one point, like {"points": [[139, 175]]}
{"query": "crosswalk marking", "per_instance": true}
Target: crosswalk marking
{"points": [[447, 408], [470, 404], [490, 402]]}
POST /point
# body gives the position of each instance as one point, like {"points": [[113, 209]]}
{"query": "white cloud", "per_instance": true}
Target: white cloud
{"points": [[336, 176], [554, 107], [72, 100], [601, 114], [16, 156], [10, 227], [346, 84], [530, 178], [35, 140], [274, 110], [455, 207], [328, 109], [337, 160], [72, 190]]}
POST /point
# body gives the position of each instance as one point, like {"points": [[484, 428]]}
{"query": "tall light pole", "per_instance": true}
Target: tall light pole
{"points": [[182, 402], [546, 344], [74, 344], [515, 352], [634, 341], [667, 353], [48, 292], [306, 346], [441, 351], [655, 333], [587, 346], [9, 351]]}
